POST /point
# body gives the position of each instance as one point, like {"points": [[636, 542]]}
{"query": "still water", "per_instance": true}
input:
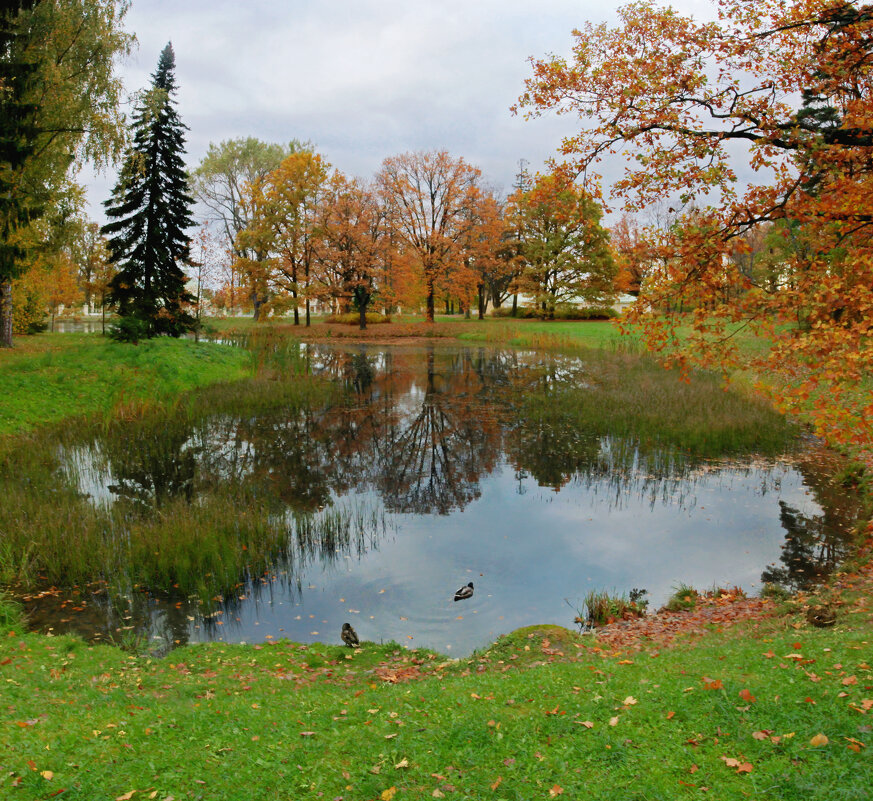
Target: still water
{"points": [[438, 467]]}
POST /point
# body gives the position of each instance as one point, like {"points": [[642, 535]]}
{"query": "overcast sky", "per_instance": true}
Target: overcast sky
{"points": [[362, 80]]}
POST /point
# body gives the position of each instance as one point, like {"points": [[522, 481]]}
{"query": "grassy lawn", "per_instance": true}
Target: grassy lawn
{"points": [[773, 712], [50, 377]]}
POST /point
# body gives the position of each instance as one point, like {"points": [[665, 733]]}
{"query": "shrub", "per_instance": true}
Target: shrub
{"points": [[563, 312], [353, 318], [129, 329]]}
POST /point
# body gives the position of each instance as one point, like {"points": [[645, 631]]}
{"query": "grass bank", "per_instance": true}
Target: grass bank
{"points": [[48, 378], [772, 709]]}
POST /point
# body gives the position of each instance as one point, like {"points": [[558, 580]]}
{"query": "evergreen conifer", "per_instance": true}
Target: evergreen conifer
{"points": [[150, 211]]}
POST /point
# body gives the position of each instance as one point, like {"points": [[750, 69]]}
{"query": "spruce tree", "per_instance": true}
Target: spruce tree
{"points": [[150, 211]]}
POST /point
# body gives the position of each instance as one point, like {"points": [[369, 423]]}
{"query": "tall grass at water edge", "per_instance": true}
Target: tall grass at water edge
{"points": [[642, 405]]}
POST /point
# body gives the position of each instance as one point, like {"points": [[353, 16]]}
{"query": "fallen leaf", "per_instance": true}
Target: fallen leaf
{"points": [[613, 721], [307, 734], [125, 796], [437, 794], [670, 715], [403, 763], [761, 735], [819, 739], [556, 790], [712, 684], [849, 680], [747, 696], [586, 723], [496, 783], [630, 701], [47, 775], [388, 794]]}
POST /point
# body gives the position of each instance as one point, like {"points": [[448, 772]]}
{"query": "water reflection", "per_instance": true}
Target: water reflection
{"points": [[435, 464]]}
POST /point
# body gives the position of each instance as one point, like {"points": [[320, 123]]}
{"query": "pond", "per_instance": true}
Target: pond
{"points": [[365, 484]]}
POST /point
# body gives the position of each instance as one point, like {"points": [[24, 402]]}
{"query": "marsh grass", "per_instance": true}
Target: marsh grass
{"points": [[602, 608], [649, 407], [684, 599]]}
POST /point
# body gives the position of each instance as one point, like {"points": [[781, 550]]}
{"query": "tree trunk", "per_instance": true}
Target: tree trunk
{"points": [[515, 305], [483, 303], [6, 314], [307, 312], [430, 302], [362, 315]]}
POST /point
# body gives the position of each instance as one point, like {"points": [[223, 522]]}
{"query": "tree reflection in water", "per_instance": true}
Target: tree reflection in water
{"points": [[814, 544], [415, 431]]}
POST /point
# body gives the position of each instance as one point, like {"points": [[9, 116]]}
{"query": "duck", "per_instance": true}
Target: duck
{"points": [[464, 592], [349, 636]]}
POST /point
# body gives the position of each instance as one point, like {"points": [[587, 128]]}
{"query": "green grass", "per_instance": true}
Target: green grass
{"points": [[683, 599], [542, 713], [53, 377]]}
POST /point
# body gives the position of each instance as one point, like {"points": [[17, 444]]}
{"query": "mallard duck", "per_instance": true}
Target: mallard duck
{"points": [[464, 592], [821, 616], [349, 636]]}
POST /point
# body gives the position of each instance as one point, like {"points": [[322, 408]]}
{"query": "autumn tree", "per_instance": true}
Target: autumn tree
{"points": [[150, 212], [59, 106], [284, 219], [788, 86], [354, 250], [220, 182], [429, 197], [630, 251], [563, 249]]}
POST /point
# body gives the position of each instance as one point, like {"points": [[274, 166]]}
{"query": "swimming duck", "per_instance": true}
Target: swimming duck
{"points": [[464, 592], [349, 636]]}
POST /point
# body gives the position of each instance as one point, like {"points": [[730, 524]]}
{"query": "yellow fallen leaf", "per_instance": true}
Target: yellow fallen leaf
{"points": [[403, 763], [437, 794], [586, 723], [630, 701], [47, 775], [125, 796], [613, 721], [819, 739], [388, 794]]}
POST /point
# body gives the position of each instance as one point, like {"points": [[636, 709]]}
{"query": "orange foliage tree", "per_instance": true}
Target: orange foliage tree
{"points": [[787, 86], [284, 220], [354, 244], [430, 197]]}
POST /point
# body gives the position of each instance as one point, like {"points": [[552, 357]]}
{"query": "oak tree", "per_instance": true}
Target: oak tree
{"points": [[429, 197], [785, 90]]}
